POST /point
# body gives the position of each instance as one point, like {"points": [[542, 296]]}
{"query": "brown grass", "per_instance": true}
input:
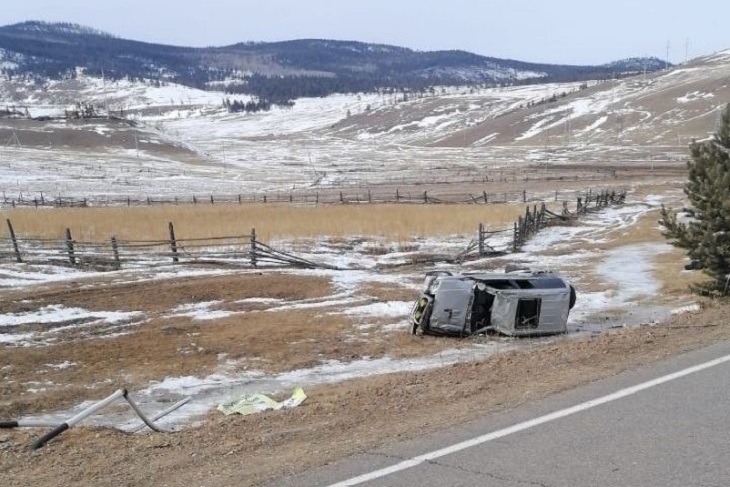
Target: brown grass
{"points": [[160, 296], [164, 346], [395, 222], [348, 418], [389, 291]]}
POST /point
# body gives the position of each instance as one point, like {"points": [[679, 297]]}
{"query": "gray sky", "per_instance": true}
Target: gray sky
{"points": [[553, 31]]}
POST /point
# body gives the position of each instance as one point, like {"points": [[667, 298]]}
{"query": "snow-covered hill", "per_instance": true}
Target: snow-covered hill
{"points": [[184, 141]]}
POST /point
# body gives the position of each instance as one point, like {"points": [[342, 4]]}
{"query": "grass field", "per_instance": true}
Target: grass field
{"points": [[390, 221]]}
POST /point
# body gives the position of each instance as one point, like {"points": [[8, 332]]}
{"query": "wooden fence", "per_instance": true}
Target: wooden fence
{"points": [[113, 254], [397, 196], [247, 250], [537, 218]]}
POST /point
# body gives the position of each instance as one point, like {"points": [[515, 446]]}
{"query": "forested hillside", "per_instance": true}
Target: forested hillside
{"points": [[277, 72]]}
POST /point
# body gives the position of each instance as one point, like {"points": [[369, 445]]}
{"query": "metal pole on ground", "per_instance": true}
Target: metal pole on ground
{"points": [[163, 413], [73, 421]]}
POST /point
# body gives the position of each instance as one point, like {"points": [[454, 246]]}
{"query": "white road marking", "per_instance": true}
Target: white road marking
{"points": [[415, 461]]}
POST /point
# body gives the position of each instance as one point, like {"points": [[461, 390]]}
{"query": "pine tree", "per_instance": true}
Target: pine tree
{"points": [[706, 236]]}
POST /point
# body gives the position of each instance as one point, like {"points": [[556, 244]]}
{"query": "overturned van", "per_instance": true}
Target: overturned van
{"points": [[524, 303]]}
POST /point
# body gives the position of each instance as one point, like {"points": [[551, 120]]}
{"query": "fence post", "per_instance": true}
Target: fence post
{"points": [[397, 196], [481, 239], [542, 215], [370, 198], [264, 198], [524, 196], [195, 200], [70, 247], [515, 237], [486, 200], [316, 198], [115, 251], [425, 197], [173, 242], [253, 248], [239, 199], [148, 201], [14, 240], [212, 202], [341, 198]]}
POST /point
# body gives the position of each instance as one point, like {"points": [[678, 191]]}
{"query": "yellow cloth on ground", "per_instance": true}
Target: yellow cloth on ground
{"points": [[255, 403]]}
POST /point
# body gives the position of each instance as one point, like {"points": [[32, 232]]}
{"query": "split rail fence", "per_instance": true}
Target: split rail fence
{"points": [[248, 250], [234, 250], [300, 198], [537, 218]]}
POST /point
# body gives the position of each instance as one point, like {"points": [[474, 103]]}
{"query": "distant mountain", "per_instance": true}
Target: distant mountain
{"points": [[278, 71]]}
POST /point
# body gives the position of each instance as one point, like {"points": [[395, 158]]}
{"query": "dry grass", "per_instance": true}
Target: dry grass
{"points": [[343, 419], [160, 296], [668, 266], [394, 222], [389, 291], [669, 271], [164, 346]]}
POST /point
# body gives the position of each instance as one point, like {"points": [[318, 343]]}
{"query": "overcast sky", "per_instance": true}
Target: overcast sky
{"points": [[554, 31]]}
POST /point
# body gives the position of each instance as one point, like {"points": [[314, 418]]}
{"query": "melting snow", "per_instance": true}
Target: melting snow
{"points": [[61, 314], [200, 311], [386, 309]]}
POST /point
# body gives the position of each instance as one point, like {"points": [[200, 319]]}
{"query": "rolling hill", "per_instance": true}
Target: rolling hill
{"points": [[278, 71], [153, 136]]}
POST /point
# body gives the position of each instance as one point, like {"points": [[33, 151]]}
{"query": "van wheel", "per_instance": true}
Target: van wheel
{"points": [[572, 298]]}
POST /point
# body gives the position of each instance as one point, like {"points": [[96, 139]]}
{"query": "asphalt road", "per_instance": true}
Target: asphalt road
{"points": [[642, 428]]}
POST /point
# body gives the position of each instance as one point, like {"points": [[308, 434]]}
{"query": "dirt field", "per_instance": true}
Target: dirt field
{"points": [[348, 418]]}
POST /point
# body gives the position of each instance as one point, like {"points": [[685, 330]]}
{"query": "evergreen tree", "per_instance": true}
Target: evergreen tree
{"points": [[706, 237]]}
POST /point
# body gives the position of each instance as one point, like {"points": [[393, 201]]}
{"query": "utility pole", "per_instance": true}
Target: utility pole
{"points": [[223, 148], [106, 98], [667, 59]]}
